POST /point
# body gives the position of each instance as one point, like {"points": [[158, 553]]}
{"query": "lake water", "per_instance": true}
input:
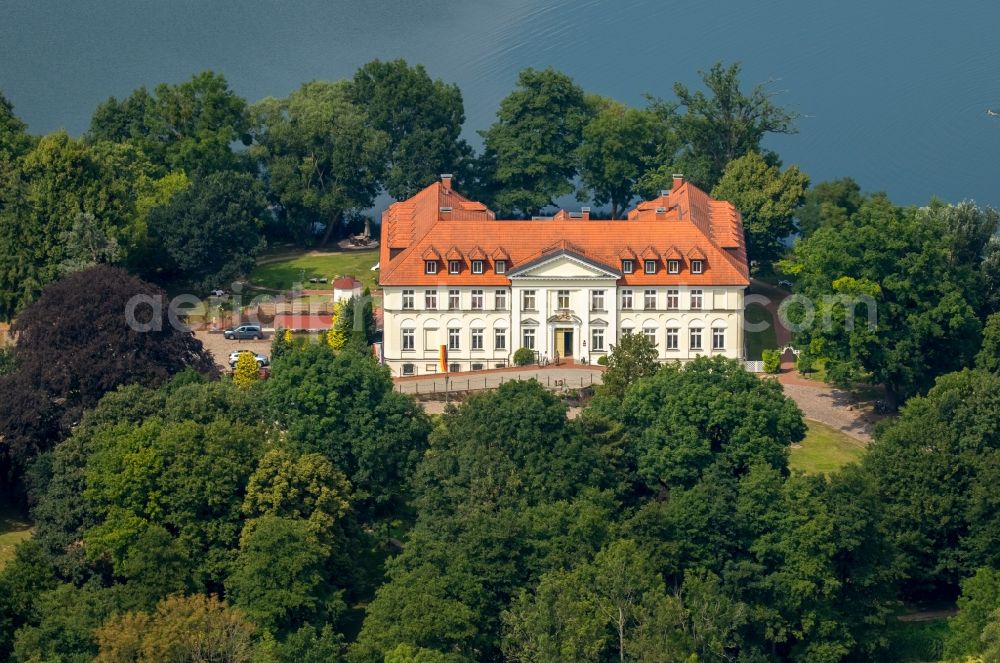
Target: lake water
{"points": [[892, 93]]}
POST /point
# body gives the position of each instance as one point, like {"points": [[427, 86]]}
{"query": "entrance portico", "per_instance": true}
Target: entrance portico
{"points": [[559, 288]]}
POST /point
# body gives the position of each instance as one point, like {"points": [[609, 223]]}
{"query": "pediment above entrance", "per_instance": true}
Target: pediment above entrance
{"points": [[564, 265]]}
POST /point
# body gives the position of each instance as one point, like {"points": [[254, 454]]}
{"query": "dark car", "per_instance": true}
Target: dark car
{"points": [[243, 332]]}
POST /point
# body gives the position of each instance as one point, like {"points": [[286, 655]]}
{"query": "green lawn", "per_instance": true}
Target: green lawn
{"points": [[14, 528], [824, 450], [762, 340], [299, 268]]}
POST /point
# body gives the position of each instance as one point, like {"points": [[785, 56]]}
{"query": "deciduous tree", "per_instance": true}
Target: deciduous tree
{"points": [[321, 153], [82, 320], [210, 233], [190, 126], [422, 117], [617, 144], [767, 198], [896, 265], [531, 145], [182, 628]]}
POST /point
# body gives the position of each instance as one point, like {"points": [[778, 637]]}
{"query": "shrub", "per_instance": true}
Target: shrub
{"points": [[524, 356], [603, 360], [772, 361], [804, 363]]}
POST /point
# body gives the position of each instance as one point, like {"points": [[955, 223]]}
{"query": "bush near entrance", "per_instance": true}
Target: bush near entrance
{"points": [[772, 361], [524, 356]]}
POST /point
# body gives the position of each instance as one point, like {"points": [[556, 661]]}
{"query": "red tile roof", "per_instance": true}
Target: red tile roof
{"points": [[683, 222], [303, 321]]}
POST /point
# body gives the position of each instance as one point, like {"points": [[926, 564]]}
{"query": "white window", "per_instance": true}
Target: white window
{"points": [[409, 369], [430, 267], [649, 300], [454, 368], [454, 300], [454, 338], [430, 300], [477, 266], [597, 340], [627, 267], [453, 266], [499, 339], [673, 298], [596, 300], [695, 300], [697, 266], [408, 299], [528, 300], [696, 338], [500, 300], [718, 338], [477, 339], [500, 266], [650, 266], [674, 266], [477, 300], [650, 334], [562, 299], [626, 299], [409, 339], [430, 368], [528, 338], [673, 338]]}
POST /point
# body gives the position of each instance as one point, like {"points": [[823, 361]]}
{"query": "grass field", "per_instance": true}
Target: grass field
{"points": [[283, 273], [14, 528], [762, 340], [824, 450]]}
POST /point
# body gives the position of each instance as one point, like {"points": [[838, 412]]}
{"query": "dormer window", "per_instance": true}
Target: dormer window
{"points": [[453, 266], [650, 266], [674, 266], [627, 267], [500, 266], [697, 266], [430, 267], [477, 266]]}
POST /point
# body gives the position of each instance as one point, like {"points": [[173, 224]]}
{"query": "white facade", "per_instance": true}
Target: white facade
{"points": [[563, 306]]}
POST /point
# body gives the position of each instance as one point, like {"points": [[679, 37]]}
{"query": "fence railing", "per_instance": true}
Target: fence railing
{"points": [[488, 382]]}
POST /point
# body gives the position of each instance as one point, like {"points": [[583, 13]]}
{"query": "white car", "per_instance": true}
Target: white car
{"points": [[218, 293], [235, 355]]}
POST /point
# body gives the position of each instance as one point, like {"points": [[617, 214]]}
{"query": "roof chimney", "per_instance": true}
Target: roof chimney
{"points": [[585, 213], [678, 180], [446, 181]]}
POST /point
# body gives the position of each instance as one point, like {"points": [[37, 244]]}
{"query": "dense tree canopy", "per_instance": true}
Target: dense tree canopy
{"points": [[422, 117], [74, 345], [57, 187], [532, 144], [210, 233], [322, 155], [936, 469], [899, 266], [767, 199], [616, 146], [190, 126]]}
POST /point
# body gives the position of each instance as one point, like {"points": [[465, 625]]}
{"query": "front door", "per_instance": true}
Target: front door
{"points": [[564, 342]]}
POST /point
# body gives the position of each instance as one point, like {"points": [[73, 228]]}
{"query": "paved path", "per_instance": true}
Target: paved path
{"points": [[818, 401]]}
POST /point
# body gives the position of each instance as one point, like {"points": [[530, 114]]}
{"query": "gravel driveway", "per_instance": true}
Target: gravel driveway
{"points": [[220, 347]]}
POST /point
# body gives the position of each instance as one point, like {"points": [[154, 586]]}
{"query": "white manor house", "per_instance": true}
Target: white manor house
{"points": [[565, 286]]}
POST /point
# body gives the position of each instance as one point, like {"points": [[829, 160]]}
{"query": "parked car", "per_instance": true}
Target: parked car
{"points": [[243, 332], [259, 358], [784, 284], [218, 293]]}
